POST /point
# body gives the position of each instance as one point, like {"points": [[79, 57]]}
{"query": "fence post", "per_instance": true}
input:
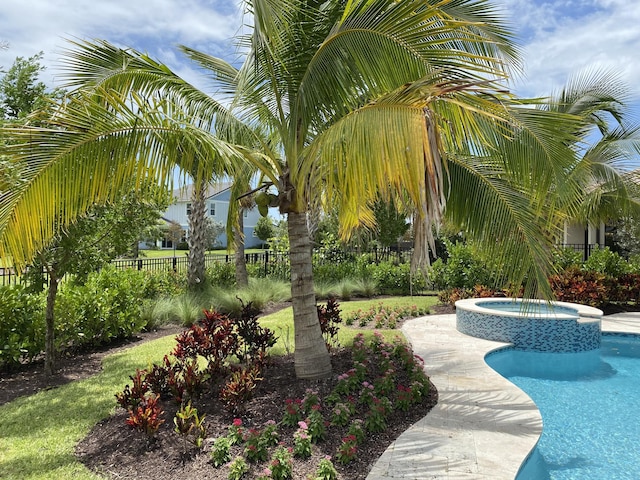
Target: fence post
{"points": [[266, 262]]}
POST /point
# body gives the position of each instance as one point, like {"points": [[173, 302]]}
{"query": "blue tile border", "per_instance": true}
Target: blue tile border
{"points": [[562, 333]]}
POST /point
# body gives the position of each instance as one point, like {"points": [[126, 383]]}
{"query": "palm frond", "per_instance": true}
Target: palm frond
{"points": [[90, 149]]}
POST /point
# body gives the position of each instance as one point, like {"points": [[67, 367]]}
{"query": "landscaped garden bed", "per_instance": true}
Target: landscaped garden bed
{"points": [[113, 449]]}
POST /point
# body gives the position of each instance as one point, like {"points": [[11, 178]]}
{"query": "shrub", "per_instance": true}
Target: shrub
{"points": [[221, 274], [21, 325], [105, 308], [146, 417], [190, 426], [626, 288], [164, 284], [239, 389], [463, 268], [606, 262], [566, 257], [329, 317], [587, 288], [395, 279]]}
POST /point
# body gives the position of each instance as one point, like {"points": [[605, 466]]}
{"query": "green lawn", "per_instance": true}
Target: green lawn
{"points": [[38, 433]]}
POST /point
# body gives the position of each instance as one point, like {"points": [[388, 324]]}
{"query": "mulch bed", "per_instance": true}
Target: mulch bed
{"points": [[115, 451]]}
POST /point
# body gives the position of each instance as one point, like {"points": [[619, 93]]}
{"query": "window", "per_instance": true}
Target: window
{"points": [[212, 209], [188, 209]]}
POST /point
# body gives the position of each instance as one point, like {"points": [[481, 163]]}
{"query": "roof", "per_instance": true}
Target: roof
{"points": [[184, 194]]}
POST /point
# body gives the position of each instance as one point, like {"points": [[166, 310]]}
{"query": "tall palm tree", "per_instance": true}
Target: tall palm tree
{"points": [[355, 101]]}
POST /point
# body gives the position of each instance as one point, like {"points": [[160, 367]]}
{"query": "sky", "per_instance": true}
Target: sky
{"points": [[557, 38]]}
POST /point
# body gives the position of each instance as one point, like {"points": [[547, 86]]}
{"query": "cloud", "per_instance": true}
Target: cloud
{"points": [[154, 26], [558, 37], [562, 38]]}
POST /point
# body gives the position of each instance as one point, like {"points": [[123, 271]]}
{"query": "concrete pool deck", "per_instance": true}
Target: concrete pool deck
{"points": [[483, 426]]}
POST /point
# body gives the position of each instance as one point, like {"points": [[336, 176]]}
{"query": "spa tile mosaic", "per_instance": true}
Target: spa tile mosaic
{"points": [[539, 334]]}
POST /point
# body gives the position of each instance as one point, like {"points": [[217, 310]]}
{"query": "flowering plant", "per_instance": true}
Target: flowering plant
{"points": [[347, 450], [293, 412], [384, 384], [302, 441], [315, 422], [255, 450], [236, 432], [265, 475], [340, 414], [367, 393], [281, 464], [220, 452], [347, 382], [269, 436], [310, 400], [238, 468], [375, 417], [404, 398], [357, 429], [326, 470]]}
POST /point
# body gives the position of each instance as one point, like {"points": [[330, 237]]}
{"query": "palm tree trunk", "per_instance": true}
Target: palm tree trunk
{"points": [[49, 347], [242, 277], [197, 238], [311, 357]]}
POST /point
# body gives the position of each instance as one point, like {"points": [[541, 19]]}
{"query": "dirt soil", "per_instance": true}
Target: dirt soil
{"points": [[115, 451]]}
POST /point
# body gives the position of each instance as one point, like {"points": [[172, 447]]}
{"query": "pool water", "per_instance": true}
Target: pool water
{"points": [[528, 308], [590, 406]]}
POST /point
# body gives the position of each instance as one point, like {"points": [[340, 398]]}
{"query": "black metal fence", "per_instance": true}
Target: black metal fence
{"points": [[266, 261]]}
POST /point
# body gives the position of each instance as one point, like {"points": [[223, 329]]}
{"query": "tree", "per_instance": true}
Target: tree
{"points": [[607, 143], [212, 230], [105, 233], [344, 102], [391, 224], [20, 91], [264, 228], [174, 234]]}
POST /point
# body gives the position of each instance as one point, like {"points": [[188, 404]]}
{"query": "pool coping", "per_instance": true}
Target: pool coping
{"points": [[483, 426]]}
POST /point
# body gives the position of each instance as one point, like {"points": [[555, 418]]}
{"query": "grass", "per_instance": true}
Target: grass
{"points": [[281, 322], [39, 432]]}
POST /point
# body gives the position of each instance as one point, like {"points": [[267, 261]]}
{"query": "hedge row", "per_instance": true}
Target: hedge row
{"points": [[105, 308]]}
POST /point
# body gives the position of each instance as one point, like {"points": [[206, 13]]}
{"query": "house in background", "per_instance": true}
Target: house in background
{"points": [[217, 199], [584, 237]]}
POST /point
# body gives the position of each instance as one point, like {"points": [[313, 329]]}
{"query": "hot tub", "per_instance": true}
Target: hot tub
{"points": [[534, 325]]}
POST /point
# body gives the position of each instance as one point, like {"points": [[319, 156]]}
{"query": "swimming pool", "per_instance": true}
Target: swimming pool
{"points": [[589, 403]]}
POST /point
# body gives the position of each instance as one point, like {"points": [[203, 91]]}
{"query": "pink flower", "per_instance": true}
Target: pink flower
{"points": [[303, 425], [237, 422]]}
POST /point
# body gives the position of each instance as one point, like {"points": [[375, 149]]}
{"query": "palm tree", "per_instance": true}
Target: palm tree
{"points": [[607, 144], [355, 101]]}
